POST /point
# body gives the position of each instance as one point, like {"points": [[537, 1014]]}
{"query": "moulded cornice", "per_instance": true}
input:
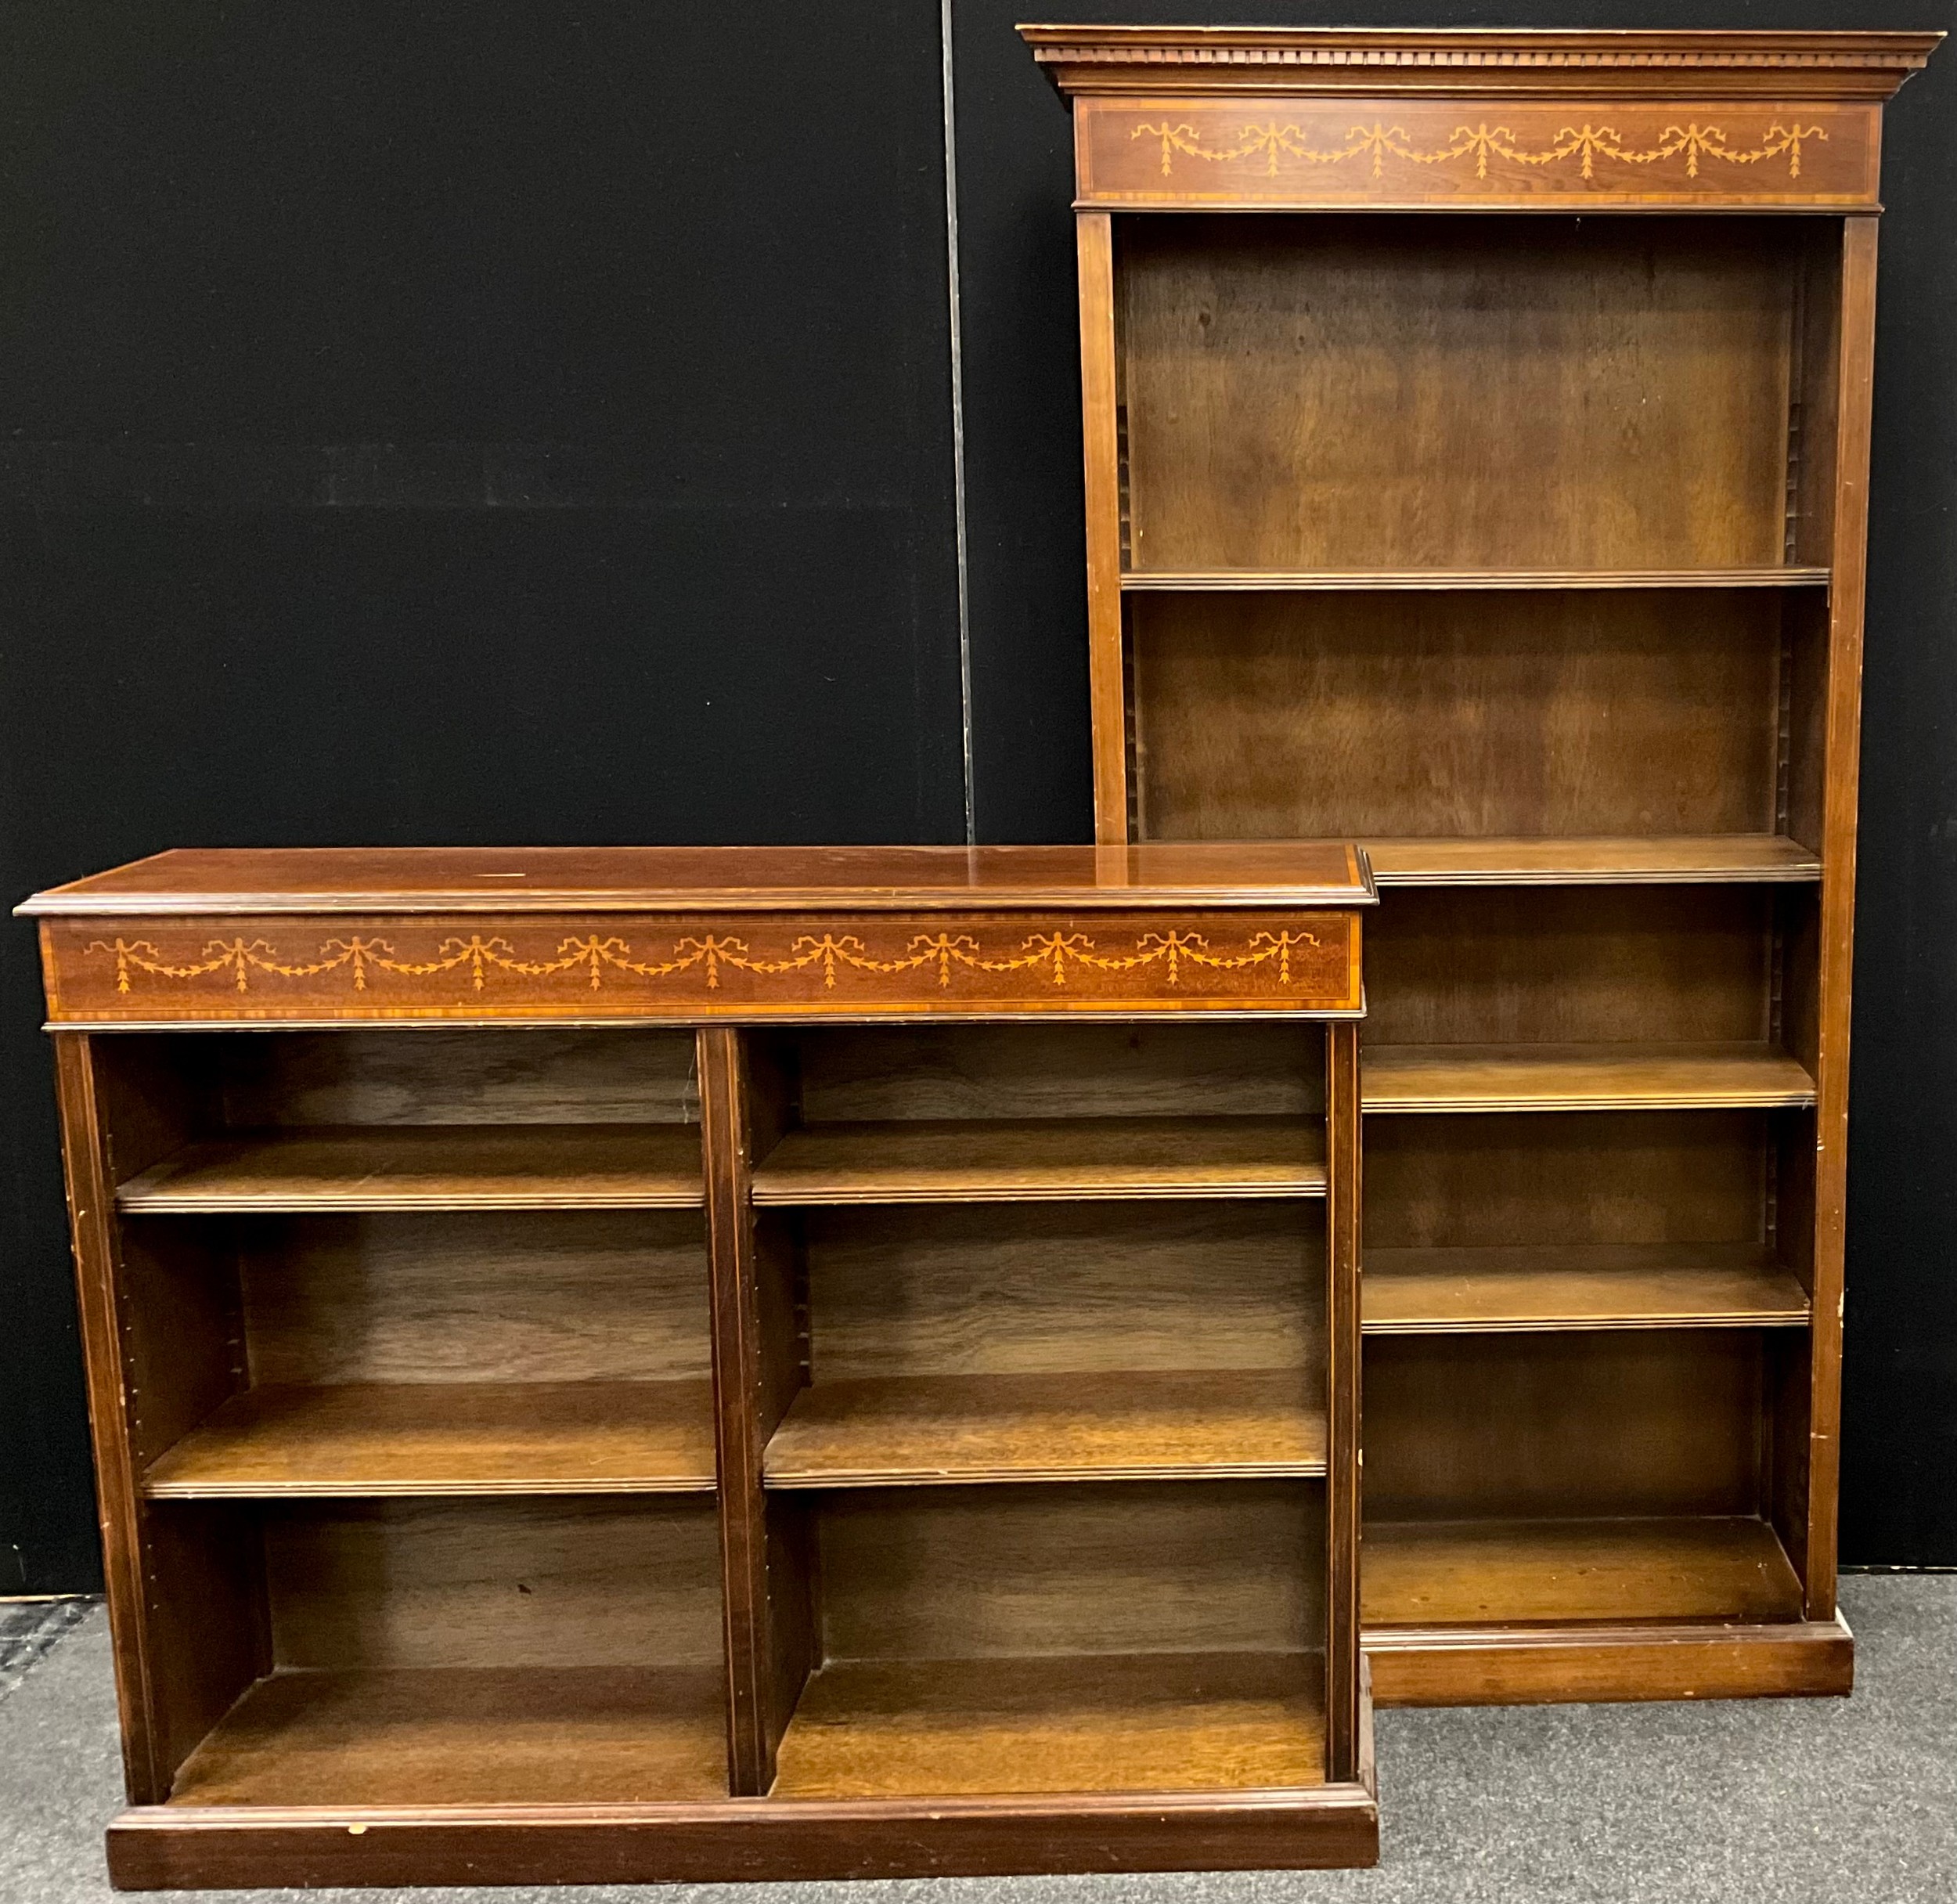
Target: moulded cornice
{"points": [[1191, 61]]}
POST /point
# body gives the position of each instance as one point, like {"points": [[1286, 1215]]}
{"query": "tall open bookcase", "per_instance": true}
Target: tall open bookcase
{"points": [[1476, 439]]}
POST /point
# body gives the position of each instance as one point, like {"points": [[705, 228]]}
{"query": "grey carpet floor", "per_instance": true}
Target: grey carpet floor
{"points": [[1772, 1800]]}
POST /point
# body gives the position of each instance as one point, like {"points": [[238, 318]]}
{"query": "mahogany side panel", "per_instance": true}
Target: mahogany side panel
{"points": [[185, 1597], [1855, 370], [1388, 152], [595, 969]]}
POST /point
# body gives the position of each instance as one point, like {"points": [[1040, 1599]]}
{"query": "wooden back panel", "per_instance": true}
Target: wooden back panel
{"points": [[1615, 1176], [1054, 1288], [1636, 1422], [401, 1585], [990, 1071], [540, 1297], [1544, 392], [1579, 712], [963, 1573], [454, 1077], [1568, 965]]}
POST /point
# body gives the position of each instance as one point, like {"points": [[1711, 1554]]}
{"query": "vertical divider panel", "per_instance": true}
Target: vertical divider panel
{"points": [[1343, 1740], [764, 1584], [1108, 694], [1855, 372]]}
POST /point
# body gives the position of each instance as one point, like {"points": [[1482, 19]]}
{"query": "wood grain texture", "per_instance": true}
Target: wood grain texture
{"points": [[1085, 1832], [1632, 859], [1009, 1572], [1065, 1289], [389, 1586], [1479, 1574], [1155, 1722], [1649, 1286], [1380, 151], [447, 1439], [1284, 953], [1044, 1158], [923, 1430], [433, 1167], [466, 1736], [1636, 1422], [1540, 715], [1522, 1665], [571, 1296], [223, 882], [1440, 1078], [1618, 388]]}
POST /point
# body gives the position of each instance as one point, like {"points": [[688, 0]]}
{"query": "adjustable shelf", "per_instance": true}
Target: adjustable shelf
{"points": [[1015, 1160], [1691, 860], [1160, 1425], [446, 1438], [382, 1167], [1437, 1079], [1594, 1285], [1197, 581]]}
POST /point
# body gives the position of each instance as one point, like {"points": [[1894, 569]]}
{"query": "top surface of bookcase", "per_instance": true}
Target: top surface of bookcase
{"points": [[224, 882], [1189, 59], [1196, 118]]}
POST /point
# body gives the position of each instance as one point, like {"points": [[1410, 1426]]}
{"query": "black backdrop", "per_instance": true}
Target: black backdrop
{"points": [[497, 422]]}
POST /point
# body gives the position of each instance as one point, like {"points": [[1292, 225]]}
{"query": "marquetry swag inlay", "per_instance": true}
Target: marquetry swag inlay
{"points": [[1586, 144], [708, 965], [1050, 955]]}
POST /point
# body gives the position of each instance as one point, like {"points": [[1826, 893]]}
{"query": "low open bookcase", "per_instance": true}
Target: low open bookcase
{"points": [[675, 1364], [1434, 498]]}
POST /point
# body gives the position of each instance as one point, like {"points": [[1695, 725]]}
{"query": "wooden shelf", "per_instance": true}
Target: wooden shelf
{"points": [[1224, 580], [1665, 1286], [1700, 859], [365, 1439], [537, 1735], [428, 1167], [1018, 1160], [1479, 1574], [1160, 1722], [1206, 1424], [1579, 1077]]}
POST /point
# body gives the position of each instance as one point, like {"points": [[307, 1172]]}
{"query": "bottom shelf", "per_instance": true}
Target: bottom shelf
{"points": [[1077, 1723], [540, 1736], [1480, 1573]]}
